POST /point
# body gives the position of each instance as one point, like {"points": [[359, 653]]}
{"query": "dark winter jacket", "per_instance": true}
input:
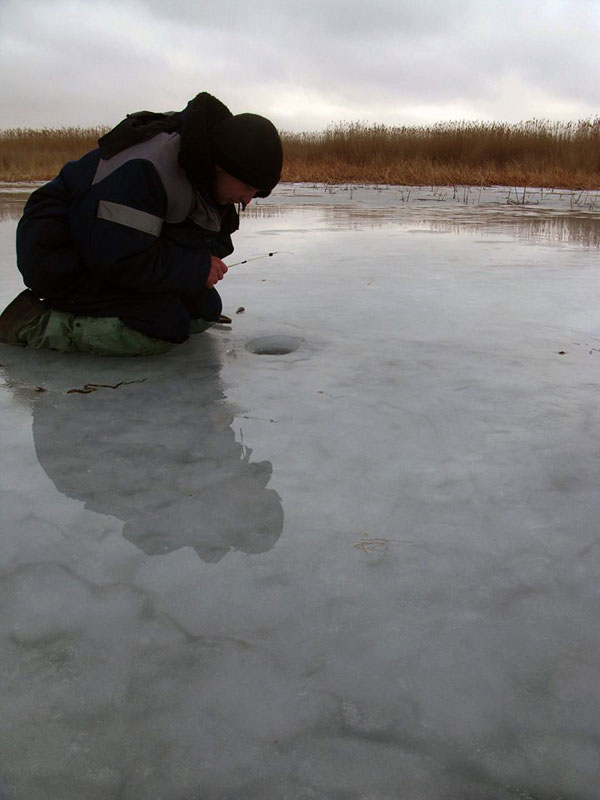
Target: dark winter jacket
{"points": [[108, 235]]}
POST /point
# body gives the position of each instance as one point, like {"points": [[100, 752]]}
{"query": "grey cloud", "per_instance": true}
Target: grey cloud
{"points": [[77, 62], [332, 19]]}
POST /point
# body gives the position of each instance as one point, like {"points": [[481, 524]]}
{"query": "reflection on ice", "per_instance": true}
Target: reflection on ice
{"points": [[158, 451], [573, 229], [12, 199], [558, 221], [551, 215]]}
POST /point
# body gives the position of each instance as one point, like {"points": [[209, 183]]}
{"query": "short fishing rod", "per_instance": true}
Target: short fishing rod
{"points": [[246, 260]]}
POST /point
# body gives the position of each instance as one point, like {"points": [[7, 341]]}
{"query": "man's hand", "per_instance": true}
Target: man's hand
{"points": [[217, 270]]}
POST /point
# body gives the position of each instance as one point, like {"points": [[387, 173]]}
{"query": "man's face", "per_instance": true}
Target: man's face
{"points": [[227, 189]]}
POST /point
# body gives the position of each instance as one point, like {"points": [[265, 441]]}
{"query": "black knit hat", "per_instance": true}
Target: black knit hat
{"points": [[248, 147]]}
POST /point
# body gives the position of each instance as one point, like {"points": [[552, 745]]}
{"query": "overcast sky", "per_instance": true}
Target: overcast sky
{"points": [[302, 63]]}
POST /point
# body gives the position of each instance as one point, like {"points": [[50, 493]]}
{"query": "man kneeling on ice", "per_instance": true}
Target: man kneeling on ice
{"points": [[122, 250]]}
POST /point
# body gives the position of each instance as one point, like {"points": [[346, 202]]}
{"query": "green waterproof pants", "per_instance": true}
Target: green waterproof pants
{"points": [[106, 336]]}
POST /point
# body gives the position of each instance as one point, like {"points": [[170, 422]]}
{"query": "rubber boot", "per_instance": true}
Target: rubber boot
{"points": [[22, 310]]}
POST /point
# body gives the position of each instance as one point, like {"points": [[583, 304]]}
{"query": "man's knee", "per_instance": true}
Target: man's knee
{"points": [[169, 322], [205, 305], [174, 319]]}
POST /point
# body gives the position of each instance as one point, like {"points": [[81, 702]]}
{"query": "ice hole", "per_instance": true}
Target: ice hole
{"points": [[274, 345]]}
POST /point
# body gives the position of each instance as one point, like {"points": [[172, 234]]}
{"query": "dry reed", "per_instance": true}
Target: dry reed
{"points": [[532, 153], [27, 154]]}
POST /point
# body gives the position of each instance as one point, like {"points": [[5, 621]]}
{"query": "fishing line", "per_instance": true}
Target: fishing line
{"points": [[255, 258]]}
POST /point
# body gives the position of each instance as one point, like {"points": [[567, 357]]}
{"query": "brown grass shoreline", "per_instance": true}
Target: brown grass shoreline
{"points": [[534, 153]]}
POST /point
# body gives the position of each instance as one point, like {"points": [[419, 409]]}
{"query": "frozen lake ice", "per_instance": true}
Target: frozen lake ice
{"points": [[347, 548]]}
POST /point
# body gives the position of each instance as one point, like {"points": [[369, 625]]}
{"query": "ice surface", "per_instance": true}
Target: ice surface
{"points": [[363, 569]]}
